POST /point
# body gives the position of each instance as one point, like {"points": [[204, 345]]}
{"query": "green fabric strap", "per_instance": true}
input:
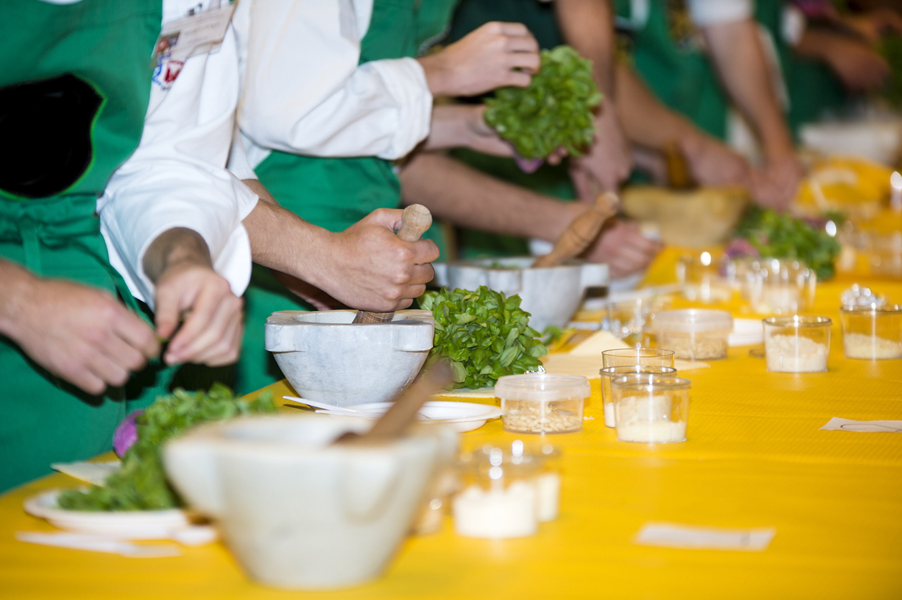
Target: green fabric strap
{"points": [[65, 224]]}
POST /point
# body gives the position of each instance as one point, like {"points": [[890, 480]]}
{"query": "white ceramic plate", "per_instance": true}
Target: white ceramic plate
{"points": [[133, 525], [462, 416], [746, 332]]}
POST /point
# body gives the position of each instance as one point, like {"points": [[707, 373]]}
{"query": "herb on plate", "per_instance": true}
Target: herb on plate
{"points": [[555, 111], [776, 235], [140, 484], [484, 334]]}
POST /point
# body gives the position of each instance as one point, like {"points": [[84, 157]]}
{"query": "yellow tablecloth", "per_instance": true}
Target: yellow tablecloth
{"points": [[754, 458]]}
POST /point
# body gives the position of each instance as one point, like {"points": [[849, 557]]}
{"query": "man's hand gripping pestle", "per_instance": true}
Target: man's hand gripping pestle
{"points": [[405, 408], [415, 220], [581, 232]]}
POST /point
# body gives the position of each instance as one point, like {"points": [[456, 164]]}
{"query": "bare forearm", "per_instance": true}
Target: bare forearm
{"points": [[450, 127], [588, 26], [283, 241], [647, 122], [175, 246], [457, 193], [743, 68], [16, 284]]}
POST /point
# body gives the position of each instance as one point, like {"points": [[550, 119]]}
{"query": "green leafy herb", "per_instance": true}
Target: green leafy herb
{"points": [[554, 111], [553, 333], [484, 335], [776, 235], [140, 484]]}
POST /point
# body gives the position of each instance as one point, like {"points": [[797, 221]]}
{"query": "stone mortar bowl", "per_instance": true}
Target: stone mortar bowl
{"points": [[327, 358], [299, 512], [550, 294]]}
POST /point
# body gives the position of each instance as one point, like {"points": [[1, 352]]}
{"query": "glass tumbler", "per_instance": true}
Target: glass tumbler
{"points": [[647, 357], [609, 373], [872, 333], [652, 409]]}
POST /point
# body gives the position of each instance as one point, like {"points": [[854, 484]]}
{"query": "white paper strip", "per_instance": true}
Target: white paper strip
{"points": [[97, 543], [90, 472], [837, 424], [671, 535]]}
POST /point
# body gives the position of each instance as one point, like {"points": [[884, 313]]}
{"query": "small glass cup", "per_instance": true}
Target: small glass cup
{"points": [[609, 373], [542, 402], [872, 333], [774, 286], [647, 357], [651, 409], [500, 495], [796, 344], [701, 279], [626, 319]]}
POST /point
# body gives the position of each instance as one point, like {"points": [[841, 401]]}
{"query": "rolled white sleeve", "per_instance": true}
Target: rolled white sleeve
{"points": [[305, 93], [177, 176], [714, 12]]}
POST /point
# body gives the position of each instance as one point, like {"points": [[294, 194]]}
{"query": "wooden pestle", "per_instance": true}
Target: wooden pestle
{"points": [[405, 408], [415, 220], [581, 232]]}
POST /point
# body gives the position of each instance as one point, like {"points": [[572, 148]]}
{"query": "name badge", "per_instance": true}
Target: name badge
{"points": [[199, 32]]}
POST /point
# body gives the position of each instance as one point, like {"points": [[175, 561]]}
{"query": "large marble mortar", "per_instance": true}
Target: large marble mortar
{"points": [[550, 294], [327, 358]]}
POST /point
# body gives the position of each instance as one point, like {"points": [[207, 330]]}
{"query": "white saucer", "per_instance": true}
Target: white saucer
{"points": [[132, 525], [746, 332], [462, 416]]}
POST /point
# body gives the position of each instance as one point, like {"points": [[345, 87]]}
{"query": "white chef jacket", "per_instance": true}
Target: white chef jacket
{"points": [[304, 92], [177, 177]]}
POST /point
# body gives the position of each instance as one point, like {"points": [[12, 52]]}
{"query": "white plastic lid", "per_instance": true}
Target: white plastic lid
{"points": [[542, 387], [693, 320]]}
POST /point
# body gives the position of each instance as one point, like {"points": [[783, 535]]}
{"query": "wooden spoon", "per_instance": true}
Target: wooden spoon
{"points": [[403, 412], [415, 220], [581, 232]]}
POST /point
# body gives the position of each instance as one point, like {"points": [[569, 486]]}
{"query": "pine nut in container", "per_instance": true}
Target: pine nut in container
{"points": [[797, 344], [872, 332], [542, 402], [694, 334], [651, 408]]}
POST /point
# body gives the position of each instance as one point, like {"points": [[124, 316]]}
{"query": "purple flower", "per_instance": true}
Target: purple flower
{"points": [[126, 433], [741, 247]]}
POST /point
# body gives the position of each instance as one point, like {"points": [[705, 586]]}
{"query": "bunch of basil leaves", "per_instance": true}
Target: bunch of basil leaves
{"points": [[555, 111], [483, 334], [140, 484]]}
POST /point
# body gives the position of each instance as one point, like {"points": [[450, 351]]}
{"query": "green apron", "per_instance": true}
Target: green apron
{"points": [[667, 58], [333, 193], [814, 91], [97, 52]]}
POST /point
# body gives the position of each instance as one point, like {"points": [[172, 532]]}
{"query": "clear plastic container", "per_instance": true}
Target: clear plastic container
{"points": [[652, 409], [797, 344], [872, 333], [609, 373], [694, 334], [506, 492], [542, 403]]}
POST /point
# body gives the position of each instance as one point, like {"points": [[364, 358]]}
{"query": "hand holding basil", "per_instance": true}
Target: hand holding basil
{"points": [[484, 334], [555, 111]]}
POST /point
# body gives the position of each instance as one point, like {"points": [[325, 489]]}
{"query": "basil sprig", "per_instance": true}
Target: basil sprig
{"points": [[554, 111], [140, 484], [484, 334]]}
